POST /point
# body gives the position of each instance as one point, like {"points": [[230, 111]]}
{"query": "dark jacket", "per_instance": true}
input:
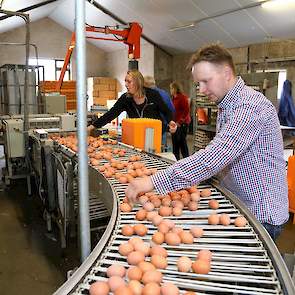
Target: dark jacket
{"points": [[151, 108]]}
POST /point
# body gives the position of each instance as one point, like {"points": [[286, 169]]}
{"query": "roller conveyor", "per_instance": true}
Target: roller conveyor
{"points": [[245, 260]]}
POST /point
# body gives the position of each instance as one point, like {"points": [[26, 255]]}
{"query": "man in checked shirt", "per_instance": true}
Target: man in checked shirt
{"points": [[247, 151]]}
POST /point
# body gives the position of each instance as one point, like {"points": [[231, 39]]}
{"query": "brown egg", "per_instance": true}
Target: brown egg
{"points": [[192, 206], [158, 237], [195, 196], [99, 288], [165, 211], [205, 192], [169, 223], [129, 177], [201, 266], [177, 211], [151, 276], [140, 229], [125, 290], [213, 219], [159, 261], [205, 254], [172, 239], [184, 264], [125, 207], [156, 202], [169, 289], [149, 206], [189, 293], [125, 249], [157, 219], [146, 266], [127, 230], [116, 270], [197, 232], [166, 202], [143, 199], [158, 250], [135, 287], [185, 200], [192, 189], [240, 221], [151, 289], [141, 214], [186, 237], [134, 273], [150, 215], [123, 179], [177, 204], [177, 230], [224, 219], [135, 240], [115, 283], [143, 247], [213, 204], [163, 228], [135, 257]]}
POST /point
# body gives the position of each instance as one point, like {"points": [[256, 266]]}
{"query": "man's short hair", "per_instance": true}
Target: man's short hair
{"points": [[149, 81], [213, 53]]}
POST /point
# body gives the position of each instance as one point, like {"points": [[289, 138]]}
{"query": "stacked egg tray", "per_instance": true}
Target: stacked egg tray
{"points": [[245, 260]]}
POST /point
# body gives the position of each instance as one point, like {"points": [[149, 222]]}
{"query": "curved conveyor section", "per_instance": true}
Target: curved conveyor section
{"points": [[245, 260]]}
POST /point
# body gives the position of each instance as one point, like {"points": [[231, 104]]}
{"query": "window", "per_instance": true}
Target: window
{"points": [[281, 78], [52, 68]]}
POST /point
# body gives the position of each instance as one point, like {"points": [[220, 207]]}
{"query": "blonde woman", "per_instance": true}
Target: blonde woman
{"points": [[138, 102]]}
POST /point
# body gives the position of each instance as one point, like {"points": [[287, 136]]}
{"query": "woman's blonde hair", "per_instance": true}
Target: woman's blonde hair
{"points": [[139, 81]]}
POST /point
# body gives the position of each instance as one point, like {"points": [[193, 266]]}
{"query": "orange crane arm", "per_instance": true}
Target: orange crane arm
{"points": [[129, 36]]}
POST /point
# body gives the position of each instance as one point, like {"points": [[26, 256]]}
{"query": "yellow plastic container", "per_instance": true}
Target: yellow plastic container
{"points": [[134, 132]]}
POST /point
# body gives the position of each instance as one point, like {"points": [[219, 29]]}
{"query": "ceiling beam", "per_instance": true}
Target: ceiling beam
{"points": [[29, 8], [118, 19]]}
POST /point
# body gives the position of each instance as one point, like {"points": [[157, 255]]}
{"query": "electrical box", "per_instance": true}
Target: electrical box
{"points": [[67, 122], [14, 138], [54, 103]]}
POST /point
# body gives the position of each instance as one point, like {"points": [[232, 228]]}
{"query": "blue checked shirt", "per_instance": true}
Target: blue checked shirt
{"points": [[246, 153]]}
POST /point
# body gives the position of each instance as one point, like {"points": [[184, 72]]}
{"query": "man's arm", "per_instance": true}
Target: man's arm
{"points": [[233, 139]]}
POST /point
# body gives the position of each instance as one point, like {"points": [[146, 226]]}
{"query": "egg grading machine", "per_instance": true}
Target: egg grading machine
{"points": [[245, 260], [54, 176], [12, 127]]}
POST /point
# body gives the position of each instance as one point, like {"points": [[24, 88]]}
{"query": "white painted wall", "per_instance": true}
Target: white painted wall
{"points": [[117, 64], [52, 41]]}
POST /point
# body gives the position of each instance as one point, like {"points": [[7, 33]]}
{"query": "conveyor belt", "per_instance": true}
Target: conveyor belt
{"points": [[245, 260]]}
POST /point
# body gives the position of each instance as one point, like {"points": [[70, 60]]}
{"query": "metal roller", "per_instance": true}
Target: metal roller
{"points": [[245, 260]]}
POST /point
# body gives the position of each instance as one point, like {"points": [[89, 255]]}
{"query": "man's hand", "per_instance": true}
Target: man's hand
{"points": [[172, 127], [136, 186]]}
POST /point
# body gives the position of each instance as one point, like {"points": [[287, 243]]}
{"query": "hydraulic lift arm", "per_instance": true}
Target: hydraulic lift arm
{"points": [[129, 35]]}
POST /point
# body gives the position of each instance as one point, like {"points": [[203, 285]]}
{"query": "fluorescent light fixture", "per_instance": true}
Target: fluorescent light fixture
{"points": [[278, 4], [186, 26]]}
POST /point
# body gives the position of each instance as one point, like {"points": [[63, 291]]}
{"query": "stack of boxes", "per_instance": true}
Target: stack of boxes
{"points": [[68, 89], [102, 89]]}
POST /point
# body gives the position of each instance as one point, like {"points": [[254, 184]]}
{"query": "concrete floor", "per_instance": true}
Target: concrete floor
{"points": [[31, 261]]}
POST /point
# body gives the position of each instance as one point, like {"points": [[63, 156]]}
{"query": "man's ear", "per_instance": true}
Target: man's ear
{"points": [[227, 72]]}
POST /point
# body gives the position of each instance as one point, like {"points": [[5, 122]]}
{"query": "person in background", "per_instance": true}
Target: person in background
{"points": [[182, 119], [247, 151], [138, 102], [150, 82]]}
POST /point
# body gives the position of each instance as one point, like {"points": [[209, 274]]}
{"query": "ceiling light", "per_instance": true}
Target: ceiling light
{"points": [[278, 4], [190, 25]]}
